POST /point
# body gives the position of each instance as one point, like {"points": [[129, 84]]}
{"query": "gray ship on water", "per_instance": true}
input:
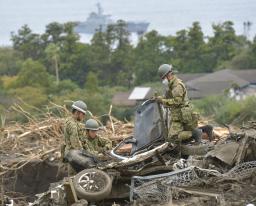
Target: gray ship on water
{"points": [[96, 21]]}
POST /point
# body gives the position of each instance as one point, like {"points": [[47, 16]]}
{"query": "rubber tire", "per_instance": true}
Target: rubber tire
{"points": [[93, 196], [79, 161]]}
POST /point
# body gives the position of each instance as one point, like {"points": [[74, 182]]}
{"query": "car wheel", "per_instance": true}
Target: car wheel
{"points": [[92, 184]]}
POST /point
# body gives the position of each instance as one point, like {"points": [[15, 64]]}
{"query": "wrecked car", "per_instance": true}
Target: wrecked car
{"points": [[149, 155]]}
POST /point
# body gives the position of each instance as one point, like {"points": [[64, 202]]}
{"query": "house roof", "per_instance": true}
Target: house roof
{"points": [[129, 98], [121, 99], [199, 85], [208, 88], [217, 81], [247, 74], [190, 76]]}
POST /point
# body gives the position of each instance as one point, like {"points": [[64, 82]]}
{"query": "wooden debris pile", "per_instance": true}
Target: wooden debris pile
{"points": [[118, 131], [33, 149], [22, 143]]}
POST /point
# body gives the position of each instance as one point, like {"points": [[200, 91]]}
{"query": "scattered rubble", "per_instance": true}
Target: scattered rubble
{"points": [[30, 161], [30, 153], [226, 176]]}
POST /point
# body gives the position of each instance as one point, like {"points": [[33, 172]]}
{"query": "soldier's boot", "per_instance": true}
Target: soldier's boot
{"points": [[197, 135], [208, 129]]}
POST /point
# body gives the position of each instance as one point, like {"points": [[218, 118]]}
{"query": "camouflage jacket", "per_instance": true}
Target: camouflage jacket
{"points": [[176, 98], [96, 145], [176, 95], [73, 131]]}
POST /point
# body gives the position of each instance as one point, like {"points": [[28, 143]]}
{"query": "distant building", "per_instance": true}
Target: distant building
{"points": [[238, 84], [141, 93], [249, 90], [131, 98], [122, 99], [190, 76]]}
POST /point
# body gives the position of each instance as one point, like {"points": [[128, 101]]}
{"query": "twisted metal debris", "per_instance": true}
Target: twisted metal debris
{"points": [[156, 188]]}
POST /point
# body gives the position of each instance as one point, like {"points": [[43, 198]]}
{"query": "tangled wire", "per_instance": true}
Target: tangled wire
{"points": [[157, 188]]}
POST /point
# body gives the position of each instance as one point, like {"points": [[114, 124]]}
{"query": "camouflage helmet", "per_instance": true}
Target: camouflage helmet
{"points": [[80, 106], [91, 124], [164, 69]]}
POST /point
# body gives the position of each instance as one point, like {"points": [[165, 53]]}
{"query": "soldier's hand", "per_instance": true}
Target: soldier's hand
{"points": [[103, 157], [100, 155], [159, 99], [175, 141]]}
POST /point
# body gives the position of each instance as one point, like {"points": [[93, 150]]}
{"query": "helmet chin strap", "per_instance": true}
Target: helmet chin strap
{"points": [[172, 79]]}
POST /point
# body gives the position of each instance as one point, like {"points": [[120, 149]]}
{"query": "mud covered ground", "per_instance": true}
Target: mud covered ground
{"points": [[35, 177]]}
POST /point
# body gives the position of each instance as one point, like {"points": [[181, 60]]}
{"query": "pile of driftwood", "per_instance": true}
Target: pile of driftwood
{"points": [[41, 137], [19, 144], [22, 143], [29, 145]]}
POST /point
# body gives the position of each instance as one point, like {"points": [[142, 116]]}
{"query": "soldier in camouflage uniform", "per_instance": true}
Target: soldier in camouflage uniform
{"points": [[92, 143], [73, 132], [183, 119], [92, 150], [73, 128]]}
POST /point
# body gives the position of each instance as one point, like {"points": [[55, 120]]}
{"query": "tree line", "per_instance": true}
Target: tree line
{"points": [[55, 65]]}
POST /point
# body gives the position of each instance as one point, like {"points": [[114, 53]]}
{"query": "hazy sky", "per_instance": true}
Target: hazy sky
{"points": [[166, 16]]}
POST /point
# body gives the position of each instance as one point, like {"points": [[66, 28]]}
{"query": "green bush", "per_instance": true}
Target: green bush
{"points": [[34, 96], [98, 102], [227, 110], [64, 87], [10, 61], [210, 104], [123, 113], [248, 111], [32, 73]]}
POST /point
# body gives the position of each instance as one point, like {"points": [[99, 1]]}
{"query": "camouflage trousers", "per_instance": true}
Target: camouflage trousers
{"points": [[178, 132]]}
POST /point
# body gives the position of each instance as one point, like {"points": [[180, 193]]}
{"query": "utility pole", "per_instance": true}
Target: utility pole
{"points": [[247, 27]]}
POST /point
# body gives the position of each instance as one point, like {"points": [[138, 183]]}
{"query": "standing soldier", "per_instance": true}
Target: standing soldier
{"points": [[92, 143], [73, 128], [183, 119]]}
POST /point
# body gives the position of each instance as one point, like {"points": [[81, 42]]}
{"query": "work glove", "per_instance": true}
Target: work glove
{"points": [[159, 99]]}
